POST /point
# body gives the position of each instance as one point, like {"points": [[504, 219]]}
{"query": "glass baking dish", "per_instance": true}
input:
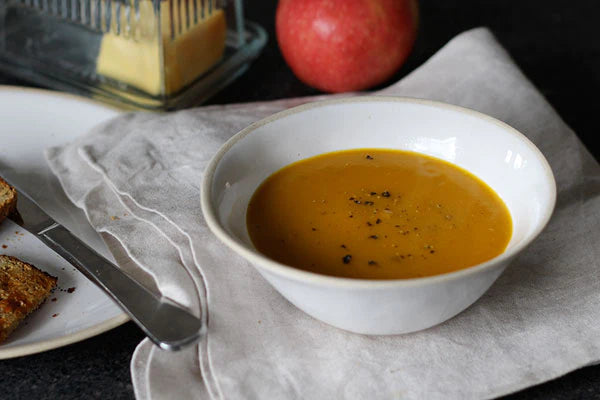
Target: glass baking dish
{"points": [[141, 54]]}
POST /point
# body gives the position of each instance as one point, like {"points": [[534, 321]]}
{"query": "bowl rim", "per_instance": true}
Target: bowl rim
{"points": [[260, 261]]}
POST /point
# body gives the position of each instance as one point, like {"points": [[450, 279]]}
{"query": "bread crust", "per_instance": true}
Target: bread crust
{"points": [[23, 288], [8, 200]]}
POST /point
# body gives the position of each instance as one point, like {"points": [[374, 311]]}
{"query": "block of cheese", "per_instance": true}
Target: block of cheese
{"points": [[165, 62]]}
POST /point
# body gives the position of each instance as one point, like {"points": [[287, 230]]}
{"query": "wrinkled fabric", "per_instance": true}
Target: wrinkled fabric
{"points": [[540, 320]]}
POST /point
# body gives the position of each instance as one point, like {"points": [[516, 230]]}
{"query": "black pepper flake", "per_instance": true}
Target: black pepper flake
{"points": [[397, 226], [369, 157], [432, 251], [378, 221], [369, 224], [346, 259], [351, 216], [314, 229], [369, 203], [373, 237], [343, 246], [351, 198], [373, 193], [70, 290], [357, 201], [386, 194], [371, 262]]}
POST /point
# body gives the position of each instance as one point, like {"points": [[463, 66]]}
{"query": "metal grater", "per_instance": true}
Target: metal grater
{"points": [[101, 15], [63, 44], [87, 13]]}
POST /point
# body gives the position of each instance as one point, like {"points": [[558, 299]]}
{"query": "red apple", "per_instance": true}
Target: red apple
{"points": [[345, 45]]}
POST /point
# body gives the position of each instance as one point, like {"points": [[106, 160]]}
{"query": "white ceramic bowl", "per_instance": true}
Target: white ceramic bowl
{"points": [[496, 153]]}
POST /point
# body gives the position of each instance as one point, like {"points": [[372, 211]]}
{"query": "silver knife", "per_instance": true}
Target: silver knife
{"points": [[167, 325]]}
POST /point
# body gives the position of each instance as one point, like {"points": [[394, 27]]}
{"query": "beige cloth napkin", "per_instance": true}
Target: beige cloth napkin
{"points": [[138, 179]]}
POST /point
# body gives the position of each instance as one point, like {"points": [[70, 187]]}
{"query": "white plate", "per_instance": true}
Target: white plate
{"points": [[30, 121]]}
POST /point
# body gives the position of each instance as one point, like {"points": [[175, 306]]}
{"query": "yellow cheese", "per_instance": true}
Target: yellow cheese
{"points": [[134, 55]]}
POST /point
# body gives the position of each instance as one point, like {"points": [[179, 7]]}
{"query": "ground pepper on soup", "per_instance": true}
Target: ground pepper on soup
{"points": [[377, 214]]}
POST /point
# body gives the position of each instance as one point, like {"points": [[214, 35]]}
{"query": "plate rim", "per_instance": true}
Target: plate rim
{"points": [[51, 344], [71, 96], [94, 330]]}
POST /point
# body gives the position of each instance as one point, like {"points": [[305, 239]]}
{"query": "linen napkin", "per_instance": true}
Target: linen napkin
{"points": [[138, 179]]}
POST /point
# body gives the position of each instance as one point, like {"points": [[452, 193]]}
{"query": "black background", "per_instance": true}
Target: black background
{"points": [[555, 42]]}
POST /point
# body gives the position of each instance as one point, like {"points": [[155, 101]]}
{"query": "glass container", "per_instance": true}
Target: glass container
{"points": [[148, 54]]}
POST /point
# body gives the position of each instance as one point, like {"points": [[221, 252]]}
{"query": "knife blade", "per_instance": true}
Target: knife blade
{"points": [[168, 325]]}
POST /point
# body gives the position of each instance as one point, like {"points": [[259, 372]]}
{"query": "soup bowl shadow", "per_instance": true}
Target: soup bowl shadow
{"points": [[490, 149]]}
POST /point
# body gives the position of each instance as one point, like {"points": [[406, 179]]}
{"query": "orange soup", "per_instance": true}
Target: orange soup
{"points": [[377, 214]]}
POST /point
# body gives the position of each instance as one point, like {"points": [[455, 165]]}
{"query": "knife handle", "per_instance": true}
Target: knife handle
{"points": [[167, 325]]}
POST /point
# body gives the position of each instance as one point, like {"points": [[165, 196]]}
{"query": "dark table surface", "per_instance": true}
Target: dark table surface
{"points": [[557, 45]]}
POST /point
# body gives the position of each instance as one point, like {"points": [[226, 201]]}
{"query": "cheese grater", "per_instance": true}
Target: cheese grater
{"points": [[149, 54]]}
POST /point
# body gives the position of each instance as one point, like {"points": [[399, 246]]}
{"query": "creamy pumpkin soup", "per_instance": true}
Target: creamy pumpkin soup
{"points": [[377, 214]]}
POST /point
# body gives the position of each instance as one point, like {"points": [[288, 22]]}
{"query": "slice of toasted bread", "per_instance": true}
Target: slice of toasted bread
{"points": [[23, 288], [8, 200]]}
